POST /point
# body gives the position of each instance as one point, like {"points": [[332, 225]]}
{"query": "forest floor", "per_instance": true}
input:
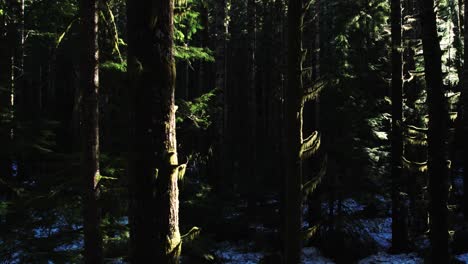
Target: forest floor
{"points": [[374, 233], [229, 235]]}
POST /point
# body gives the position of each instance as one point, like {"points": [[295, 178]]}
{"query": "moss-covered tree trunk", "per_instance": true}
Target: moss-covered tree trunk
{"points": [[89, 77], [399, 230], [293, 130], [154, 167], [437, 165]]}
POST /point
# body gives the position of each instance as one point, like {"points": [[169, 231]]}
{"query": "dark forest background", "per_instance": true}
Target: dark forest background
{"points": [[233, 131]]}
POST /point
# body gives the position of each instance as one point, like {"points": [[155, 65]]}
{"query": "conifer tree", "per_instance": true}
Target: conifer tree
{"points": [[437, 162], [90, 129], [154, 166], [399, 231]]}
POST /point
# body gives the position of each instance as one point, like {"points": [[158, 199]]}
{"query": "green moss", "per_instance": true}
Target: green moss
{"points": [[114, 66]]}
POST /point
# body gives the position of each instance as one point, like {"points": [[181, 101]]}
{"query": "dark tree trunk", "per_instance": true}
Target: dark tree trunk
{"points": [[90, 129], [223, 163], [399, 230], [293, 130], [465, 116], [437, 165], [5, 79], [252, 162], [154, 167]]}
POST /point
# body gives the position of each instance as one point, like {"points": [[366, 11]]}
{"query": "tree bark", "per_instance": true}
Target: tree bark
{"points": [[465, 115], [90, 130], [437, 134], [5, 79], [154, 167], [399, 230], [252, 162], [293, 130], [224, 163]]}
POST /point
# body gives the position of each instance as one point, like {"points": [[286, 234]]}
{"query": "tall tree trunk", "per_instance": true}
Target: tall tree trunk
{"points": [[5, 67], [221, 27], [465, 115], [462, 15], [17, 78], [399, 230], [437, 165], [90, 129], [457, 37], [293, 131], [154, 167], [252, 162]]}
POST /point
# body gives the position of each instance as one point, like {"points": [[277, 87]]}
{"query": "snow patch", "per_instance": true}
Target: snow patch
{"points": [[462, 257], [311, 255], [73, 246], [392, 259], [234, 254], [378, 229], [348, 206]]}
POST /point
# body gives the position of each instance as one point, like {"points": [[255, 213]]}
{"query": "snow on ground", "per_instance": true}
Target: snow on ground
{"points": [[458, 184], [348, 206], [311, 255], [462, 257], [380, 229], [231, 253], [392, 259], [72, 246]]}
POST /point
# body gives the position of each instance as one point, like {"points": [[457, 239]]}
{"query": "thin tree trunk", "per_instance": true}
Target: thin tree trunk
{"points": [[465, 117], [154, 167], [5, 67], [224, 163], [462, 16], [437, 165], [399, 230], [293, 130], [252, 162], [90, 130], [457, 38]]}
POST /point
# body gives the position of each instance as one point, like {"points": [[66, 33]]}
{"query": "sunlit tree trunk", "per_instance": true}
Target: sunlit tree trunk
{"points": [[457, 37], [154, 167], [89, 75], [399, 230], [437, 165]]}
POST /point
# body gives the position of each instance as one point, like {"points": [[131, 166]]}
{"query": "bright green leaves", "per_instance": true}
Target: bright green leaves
{"points": [[199, 111], [114, 66], [188, 53], [187, 23]]}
